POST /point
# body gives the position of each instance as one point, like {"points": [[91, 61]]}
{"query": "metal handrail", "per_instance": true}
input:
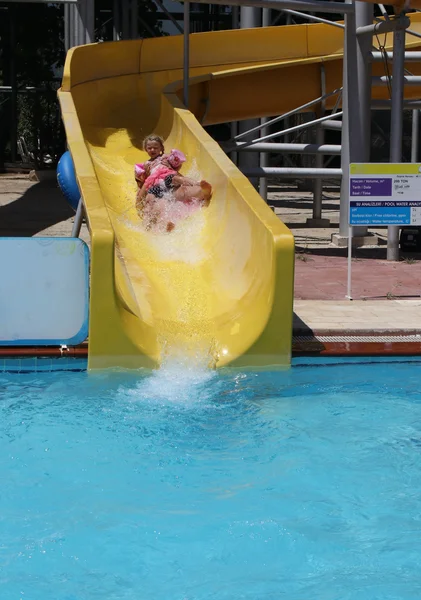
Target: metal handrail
{"points": [[304, 173], [295, 111], [291, 148], [410, 56], [407, 80], [291, 129]]}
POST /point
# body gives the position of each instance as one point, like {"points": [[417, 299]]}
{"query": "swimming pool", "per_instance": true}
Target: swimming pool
{"points": [[194, 485]]}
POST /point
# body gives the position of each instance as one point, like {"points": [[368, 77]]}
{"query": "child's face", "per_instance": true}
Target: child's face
{"points": [[154, 149]]}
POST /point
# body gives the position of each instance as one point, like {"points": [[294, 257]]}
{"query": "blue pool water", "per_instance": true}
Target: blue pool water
{"points": [[194, 485]]}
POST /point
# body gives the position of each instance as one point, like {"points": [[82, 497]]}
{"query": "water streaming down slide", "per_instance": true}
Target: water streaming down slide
{"points": [[220, 284]]}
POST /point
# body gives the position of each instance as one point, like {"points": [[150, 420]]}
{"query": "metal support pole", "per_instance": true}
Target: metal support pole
{"points": [[67, 43], [316, 219], [77, 224], [330, 124], [318, 183], [264, 157], [14, 85], [364, 14], [294, 172], [266, 17], [233, 153], [415, 135], [384, 80], [85, 15], [89, 21], [79, 23], [71, 27], [234, 124], [250, 17], [356, 105], [333, 149], [134, 20], [116, 20], [410, 56], [382, 26], [348, 106], [396, 126], [125, 20], [264, 162], [79, 29], [186, 56], [235, 15], [349, 261]]}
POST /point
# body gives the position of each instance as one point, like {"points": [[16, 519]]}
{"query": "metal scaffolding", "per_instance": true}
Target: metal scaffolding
{"points": [[85, 21], [250, 17], [251, 141], [355, 126], [79, 23]]}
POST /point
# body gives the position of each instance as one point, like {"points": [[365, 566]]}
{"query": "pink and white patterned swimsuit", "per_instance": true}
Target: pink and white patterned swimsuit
{"points": [[159, 180]]}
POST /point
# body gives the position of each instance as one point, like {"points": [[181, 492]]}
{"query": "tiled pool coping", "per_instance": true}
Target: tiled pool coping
{"points": [[308, 343], [357, 343], [39, 364]]}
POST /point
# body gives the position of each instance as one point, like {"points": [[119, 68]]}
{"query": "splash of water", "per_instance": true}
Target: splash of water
{"points": [[165, 268], [179, 381]]}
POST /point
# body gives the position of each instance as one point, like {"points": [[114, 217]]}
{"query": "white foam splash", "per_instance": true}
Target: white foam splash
{"points": [[177, 382]]}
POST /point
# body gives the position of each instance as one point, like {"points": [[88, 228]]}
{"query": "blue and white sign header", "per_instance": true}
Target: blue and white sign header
{"points": [[385, 194]]}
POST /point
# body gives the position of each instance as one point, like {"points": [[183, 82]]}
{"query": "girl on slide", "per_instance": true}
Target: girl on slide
{"points": [[162, 188], [154, 147]]}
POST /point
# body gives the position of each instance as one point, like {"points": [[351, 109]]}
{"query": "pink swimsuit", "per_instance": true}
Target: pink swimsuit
{"points": [[160, 176], [159, 183]]}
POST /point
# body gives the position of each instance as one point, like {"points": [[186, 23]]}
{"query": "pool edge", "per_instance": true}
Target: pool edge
{"points": [[305, 341], [356, 342]]}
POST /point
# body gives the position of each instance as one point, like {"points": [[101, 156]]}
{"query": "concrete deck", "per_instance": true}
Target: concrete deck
{"points": [[387, 296], [31, 208], [334, 316]]}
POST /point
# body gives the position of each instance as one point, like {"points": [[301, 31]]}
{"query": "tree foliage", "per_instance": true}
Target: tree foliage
{"points": [[32, 54]]}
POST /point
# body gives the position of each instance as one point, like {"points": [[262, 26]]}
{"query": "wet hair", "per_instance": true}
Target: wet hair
{"points": [[153, 138]]}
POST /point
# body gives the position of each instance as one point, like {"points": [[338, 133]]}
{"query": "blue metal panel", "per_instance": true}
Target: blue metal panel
{"points": [[44, 291]]}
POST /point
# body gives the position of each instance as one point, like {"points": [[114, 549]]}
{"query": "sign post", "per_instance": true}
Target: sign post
{"points": [[383, 194], [348, 285]]}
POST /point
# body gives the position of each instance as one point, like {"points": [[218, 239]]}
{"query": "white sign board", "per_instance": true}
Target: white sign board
{"points": [[385, 194], [44, 291]]}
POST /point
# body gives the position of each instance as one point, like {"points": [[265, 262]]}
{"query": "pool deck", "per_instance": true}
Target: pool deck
{"points": [[386, 305]]}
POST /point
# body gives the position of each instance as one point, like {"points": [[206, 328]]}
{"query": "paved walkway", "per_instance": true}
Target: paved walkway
{"points": [[321, 277], [387, 296], [356, 317], [30, 208]]}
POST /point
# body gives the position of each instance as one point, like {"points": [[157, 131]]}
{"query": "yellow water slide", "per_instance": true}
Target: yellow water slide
{"points": [[221, 284]]}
